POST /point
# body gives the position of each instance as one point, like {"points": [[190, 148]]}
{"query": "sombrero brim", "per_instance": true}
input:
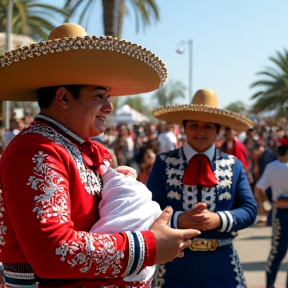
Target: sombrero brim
{"points": [[203, 113], [105, 61]]}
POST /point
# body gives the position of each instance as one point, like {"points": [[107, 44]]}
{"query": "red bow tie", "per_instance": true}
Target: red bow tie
{"points": [[199, 172], [90, 154]]}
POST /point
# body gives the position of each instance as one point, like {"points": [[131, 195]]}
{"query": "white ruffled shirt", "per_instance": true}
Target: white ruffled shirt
{"points": [[126, 205]]}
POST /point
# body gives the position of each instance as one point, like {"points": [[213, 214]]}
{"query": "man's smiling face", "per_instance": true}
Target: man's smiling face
{"points": [[200, 135]]}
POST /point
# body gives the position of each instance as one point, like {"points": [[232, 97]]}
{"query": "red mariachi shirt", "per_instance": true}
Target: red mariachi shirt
{"points": [[48, 206]]}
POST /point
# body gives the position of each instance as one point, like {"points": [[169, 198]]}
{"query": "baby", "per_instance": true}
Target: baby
{"points": [[126, 205]]}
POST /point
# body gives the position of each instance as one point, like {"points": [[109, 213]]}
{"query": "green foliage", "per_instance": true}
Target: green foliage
{"points": [[238, 107], [145, 11], [137, 103], [273, 93], [31, 18], [169, 92]]}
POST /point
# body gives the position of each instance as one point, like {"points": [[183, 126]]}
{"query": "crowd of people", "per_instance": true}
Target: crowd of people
{"points": [[138, 146]]}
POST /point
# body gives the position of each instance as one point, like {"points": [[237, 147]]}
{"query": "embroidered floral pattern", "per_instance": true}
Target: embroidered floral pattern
{"points": [[159, 281], [174, 172], [173, 194], [3, 228], [91, 180], [53, 200], [275, 240], [224, 171], [225, 196], [97, 249], [238, 269]]}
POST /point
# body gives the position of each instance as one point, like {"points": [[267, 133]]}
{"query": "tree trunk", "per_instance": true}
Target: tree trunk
{"points": [[109, 18], [121, 12]]}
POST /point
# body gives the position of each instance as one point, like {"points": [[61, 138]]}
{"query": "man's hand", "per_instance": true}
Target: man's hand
{"points": [[170, 242], [211, 220], [184, 219], [199, 218]]}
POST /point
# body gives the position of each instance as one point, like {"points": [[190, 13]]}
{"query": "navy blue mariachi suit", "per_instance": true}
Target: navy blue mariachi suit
{"points": [[232, 198]]}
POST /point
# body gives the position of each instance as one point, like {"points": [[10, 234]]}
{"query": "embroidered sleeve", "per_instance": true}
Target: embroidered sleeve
{"points": [[244, 210], [39, 203]]}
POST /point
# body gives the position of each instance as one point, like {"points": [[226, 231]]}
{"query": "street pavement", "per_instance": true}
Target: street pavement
{"points": [[253, 246]]}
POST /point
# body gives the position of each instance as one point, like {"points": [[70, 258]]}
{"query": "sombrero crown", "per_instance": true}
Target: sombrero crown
{"points": [[204, 108], [70, 56]]}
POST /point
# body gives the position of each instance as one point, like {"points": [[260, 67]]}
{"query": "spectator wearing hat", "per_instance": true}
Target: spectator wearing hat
{"points": [[275, 177], [47, 213], [208, 190]]}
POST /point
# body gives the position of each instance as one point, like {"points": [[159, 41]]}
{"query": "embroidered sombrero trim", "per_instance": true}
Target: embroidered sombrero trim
{"points": [[201, 108], [97, 43]]}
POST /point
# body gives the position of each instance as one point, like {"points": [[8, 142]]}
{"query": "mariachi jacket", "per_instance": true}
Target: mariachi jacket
{"points": [[49, 202], [231, 198]]}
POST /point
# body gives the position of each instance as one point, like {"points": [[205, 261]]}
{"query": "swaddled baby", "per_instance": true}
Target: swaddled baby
{"points": [[126, 205]]}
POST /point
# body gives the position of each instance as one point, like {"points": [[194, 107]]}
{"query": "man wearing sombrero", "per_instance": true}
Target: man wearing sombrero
{"points": [[50, 174], [208, 190]]}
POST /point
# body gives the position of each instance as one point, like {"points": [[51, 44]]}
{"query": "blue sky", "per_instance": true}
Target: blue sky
{"points": [[232, 41]]}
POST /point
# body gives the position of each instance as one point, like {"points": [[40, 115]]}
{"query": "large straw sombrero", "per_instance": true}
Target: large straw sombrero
{"points": [[70, 56], [204, 108]]}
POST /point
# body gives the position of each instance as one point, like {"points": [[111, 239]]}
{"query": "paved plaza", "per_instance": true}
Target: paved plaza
{"points": [[253, 245]]}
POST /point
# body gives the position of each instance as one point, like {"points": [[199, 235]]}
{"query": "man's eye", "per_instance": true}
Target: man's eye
{"points": [[99, 96]]}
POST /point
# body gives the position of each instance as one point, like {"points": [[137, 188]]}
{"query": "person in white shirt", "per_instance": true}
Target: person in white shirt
{"points": [[11, 133], [275, 177], [126, 205], [166, 139]]}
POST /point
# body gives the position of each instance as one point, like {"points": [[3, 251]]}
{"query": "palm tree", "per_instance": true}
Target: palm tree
{"points": [[168, 93], [137, 103], [114, 12], [31, 18], [238, 107], [273, 92]]}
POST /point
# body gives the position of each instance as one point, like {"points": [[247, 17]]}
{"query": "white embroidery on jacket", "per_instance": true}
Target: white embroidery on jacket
{"points": [[97, 249], [175, 171], [224, 171], [52, 200], [91, 180]]}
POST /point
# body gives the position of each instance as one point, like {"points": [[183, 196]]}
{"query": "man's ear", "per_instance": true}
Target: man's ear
{"points": [[62, 97]]}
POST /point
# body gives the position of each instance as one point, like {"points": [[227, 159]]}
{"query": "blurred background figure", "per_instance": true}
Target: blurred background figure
{"points": [[28, 117], [253, 153], [12, 132], [124, 146], [145, 161], [152, 141], [109, 136], [166, 137], [232, 146]]}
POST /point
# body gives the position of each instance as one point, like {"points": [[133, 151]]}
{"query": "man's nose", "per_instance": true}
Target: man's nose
{"points": [[107, 107], [200, 129]]}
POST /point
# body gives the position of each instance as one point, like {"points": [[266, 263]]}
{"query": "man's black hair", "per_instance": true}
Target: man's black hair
{"points": [[282, 150], [218, 126], [47, 94]]}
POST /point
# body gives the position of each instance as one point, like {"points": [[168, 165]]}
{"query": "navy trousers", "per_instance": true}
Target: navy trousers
{"points": [[279, 244], [213, 269]]}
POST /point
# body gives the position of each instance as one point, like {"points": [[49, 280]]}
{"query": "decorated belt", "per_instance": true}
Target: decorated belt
{"points": [[201, 244], [281, 203], [18, 275]]}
